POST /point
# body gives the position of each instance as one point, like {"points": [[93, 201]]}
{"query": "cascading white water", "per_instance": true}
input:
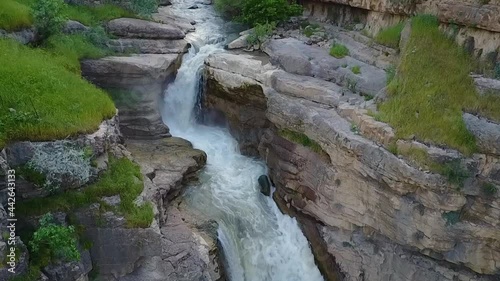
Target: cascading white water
{"points": [[259, 242]]}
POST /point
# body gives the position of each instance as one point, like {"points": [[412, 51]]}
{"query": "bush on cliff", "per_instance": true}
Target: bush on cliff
{"points": [[42, 100], [390, 36], [48, 16], [52, 242], [432, 89], [253, 12]]}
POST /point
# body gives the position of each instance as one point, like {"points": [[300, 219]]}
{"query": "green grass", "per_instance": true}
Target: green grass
{"points": [[301, 139], [122, 178], [339, 51], [68, 50], [390, 36], [14, 15], [423, 101], [356, 69], [42, 100], [92, 16]]}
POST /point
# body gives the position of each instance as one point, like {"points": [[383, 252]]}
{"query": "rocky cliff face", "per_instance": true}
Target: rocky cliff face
{"points": [[368, 213], [136, 82], [472, 23]]}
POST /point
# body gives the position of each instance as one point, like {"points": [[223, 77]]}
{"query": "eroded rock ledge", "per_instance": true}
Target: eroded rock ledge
{"points": [[380, 216]]}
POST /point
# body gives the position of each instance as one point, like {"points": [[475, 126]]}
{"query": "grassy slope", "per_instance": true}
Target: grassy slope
{"points": [[92, 16], [14, 15], [41, 100], [390, 36], [432, 89], [122, 178]]}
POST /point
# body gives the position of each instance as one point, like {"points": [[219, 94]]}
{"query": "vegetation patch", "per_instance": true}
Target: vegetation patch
{"points": [[92, 16], [339, 51], [390, 36], [310, 29], [42, 100], [122, 178], [53, 242], [301, 139], [451, 218], [260, 33], [68, 50], [356, 69], [14, 15], [254, 12], [489, 189], [427, 104]]}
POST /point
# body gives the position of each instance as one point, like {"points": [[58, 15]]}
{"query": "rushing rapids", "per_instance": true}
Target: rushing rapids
{"points": [[259, 242]]}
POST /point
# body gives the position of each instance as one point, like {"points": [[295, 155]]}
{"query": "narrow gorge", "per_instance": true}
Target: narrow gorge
{"points": [[381, 152]]}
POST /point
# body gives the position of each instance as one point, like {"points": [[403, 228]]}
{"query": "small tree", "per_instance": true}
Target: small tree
{"points": [[260, 33], [48, 16], [54, 241]]}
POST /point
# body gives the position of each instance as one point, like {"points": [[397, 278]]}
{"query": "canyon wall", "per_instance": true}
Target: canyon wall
{"points": [[472, 23], [368, 213]]}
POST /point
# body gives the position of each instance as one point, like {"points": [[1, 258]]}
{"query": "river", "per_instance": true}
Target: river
{"points": [[259, 242]]}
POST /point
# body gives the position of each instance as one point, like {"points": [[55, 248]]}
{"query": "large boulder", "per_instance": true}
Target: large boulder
{"points": [[163, 16], [148, 46], [136, 28], [136, 84]]}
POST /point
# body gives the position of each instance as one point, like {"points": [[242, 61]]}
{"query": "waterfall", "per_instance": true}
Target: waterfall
{"points": [[259, 242]]}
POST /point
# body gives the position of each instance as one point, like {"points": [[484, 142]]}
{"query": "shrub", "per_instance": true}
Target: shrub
{"points": [[43, 100], [144, 7], [339, 51], [54, 241], [253, 12], [49, 17], [427, 104], [14, 15], [260, 33], [356, 69], [61, 164], [489, 189], [390, 36]]}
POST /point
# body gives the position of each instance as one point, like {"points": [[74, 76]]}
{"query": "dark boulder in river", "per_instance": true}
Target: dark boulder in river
{"points": [[265, 185]]}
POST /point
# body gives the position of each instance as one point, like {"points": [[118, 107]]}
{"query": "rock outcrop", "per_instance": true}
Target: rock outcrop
{"points": [[378, 215], [472, 23], [136, 28], [136, 83]]}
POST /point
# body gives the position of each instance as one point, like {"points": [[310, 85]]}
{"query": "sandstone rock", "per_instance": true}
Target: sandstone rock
{"points": [[137, 83], [362, 185], [486, 132], [169, 163], [146, 46], [183, 24], [239, 43], [72, 27], [70, 271], [185, 255], [136, 28], [295, 57]]}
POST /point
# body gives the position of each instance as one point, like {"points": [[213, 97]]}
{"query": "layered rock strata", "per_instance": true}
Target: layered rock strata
{"points": [[378, 215]]}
